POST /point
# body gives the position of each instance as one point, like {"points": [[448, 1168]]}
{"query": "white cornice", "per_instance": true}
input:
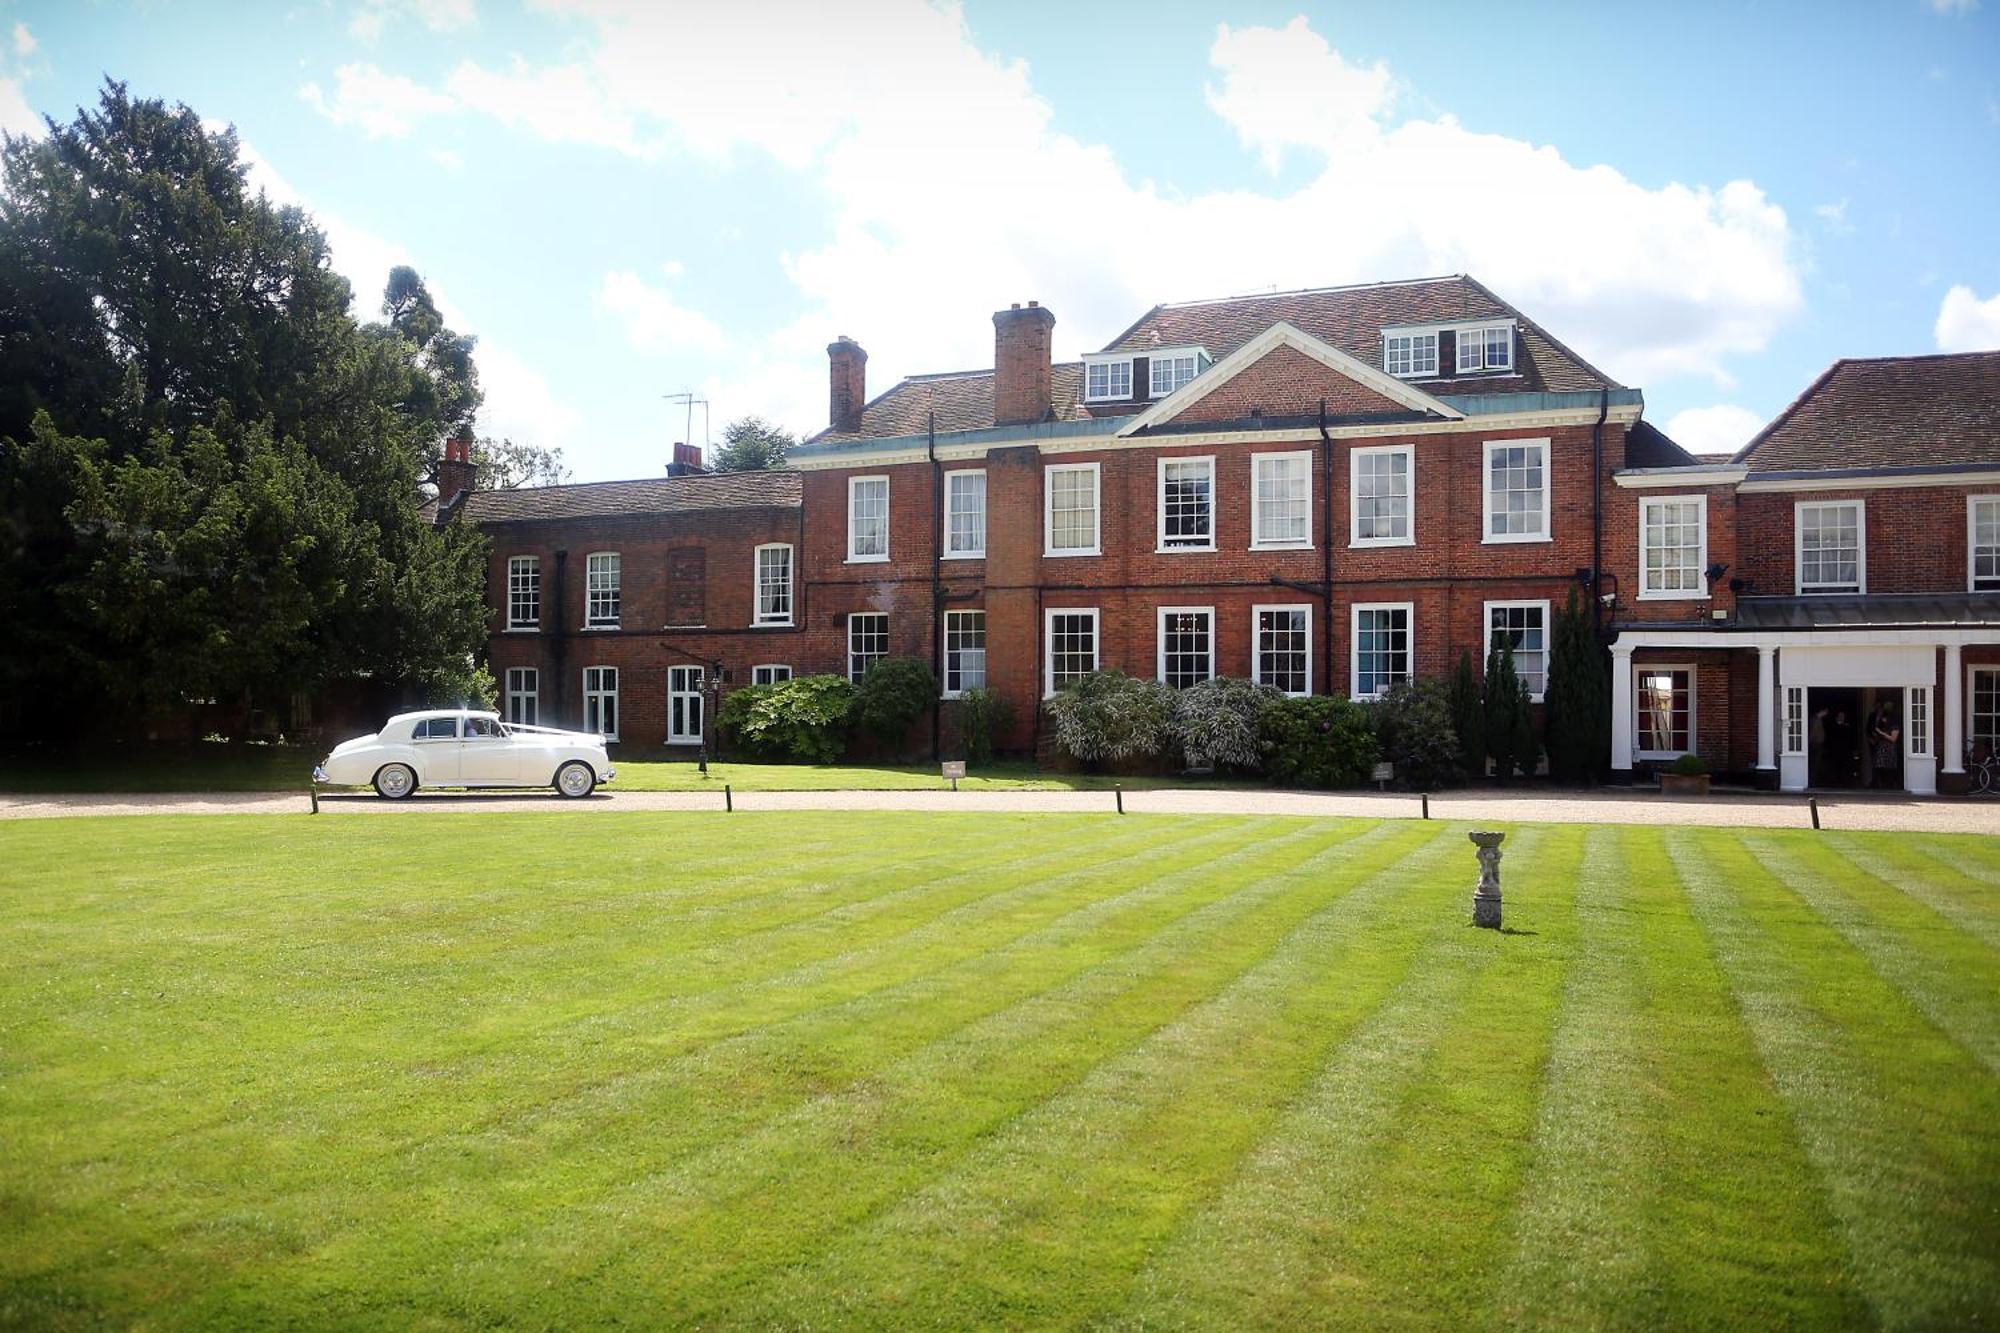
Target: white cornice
{"points": [[1896, 482], [1649, 478], [1285, 335]]}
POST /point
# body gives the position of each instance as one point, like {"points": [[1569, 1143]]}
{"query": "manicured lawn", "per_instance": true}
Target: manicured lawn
{"points": [[217, 767], [942, 1071]]}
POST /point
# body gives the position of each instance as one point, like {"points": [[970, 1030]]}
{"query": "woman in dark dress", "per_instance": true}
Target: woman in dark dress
{"points": [[1885, 743]]}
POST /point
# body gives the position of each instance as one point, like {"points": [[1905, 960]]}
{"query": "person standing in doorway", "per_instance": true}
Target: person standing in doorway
{"points": [[1816, 748], [1885, 746]]}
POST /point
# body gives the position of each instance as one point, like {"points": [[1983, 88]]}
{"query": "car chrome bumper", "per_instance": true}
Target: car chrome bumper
{"points": [[607, 775], [319, 774]]}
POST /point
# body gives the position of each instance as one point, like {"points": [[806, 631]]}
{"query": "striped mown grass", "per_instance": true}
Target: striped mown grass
{"points": [[786, 1070]]}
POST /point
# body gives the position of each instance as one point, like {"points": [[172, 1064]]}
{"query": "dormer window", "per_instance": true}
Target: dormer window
{"points": [[1172, 370], [1410, 355], [1484, 348], [1107, 381]]}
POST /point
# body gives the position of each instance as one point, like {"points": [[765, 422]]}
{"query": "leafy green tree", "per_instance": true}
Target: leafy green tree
{"points": [[752, 445], [889, 699], [210, 473], [1468, 716], [505, 465], [1577, 704]]}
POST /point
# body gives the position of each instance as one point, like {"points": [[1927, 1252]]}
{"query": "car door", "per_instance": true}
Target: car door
{"points": [[435, 740], [487, 756]]}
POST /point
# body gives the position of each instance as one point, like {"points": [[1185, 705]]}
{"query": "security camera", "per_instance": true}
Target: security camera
{"points": [[1607, 598]]}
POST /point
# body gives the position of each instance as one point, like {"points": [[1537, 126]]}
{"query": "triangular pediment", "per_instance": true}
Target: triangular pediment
{"points": [[1285, 372]]}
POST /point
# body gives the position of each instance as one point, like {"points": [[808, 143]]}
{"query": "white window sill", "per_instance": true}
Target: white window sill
{"points": [[1515, 539], [771, 624], [1182, 550], [1674, 596], [595, 629], [1281, 546], [1832, 592], [524, 629], [1059, 555], [867, 559], [1374, 543], [963, 555], [1661, 756]]}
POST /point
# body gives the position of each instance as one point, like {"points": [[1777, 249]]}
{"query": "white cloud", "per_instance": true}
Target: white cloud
{"points": [[379, 105], [1723, 428], [1834, 217], [447, 159], [1953, 6], [24, 41], [16, 116], [372, 16], [653, 320], [1967, 324], [950, 193], [519, 402]]}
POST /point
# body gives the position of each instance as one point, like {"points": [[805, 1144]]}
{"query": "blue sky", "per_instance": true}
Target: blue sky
{"points": [[626, 199]]}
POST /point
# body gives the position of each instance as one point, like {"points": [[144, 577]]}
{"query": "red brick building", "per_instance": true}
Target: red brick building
{"points": [[1843, 567]]}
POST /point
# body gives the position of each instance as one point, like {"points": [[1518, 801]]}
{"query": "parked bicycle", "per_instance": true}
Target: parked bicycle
{"points": [[1982, 769]]}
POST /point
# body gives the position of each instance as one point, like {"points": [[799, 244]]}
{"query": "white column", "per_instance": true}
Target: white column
{"points": [[1767, 720], [1621, 709], [1954, 711]]}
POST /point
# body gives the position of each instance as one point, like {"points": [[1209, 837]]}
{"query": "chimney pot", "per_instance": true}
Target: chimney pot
{"points": [[1022, 375]]}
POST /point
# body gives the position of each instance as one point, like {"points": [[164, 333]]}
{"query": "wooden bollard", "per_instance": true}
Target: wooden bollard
{"points": [[1118, 790], [728, 799], [1812, 804]]}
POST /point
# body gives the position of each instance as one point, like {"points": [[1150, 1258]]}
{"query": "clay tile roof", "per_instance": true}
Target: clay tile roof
{"points": [[648, 495], [963, 400], [1352, 319], [1902, 411]]}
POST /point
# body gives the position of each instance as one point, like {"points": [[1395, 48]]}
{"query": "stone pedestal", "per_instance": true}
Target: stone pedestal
{"points": [[1486, 898]]}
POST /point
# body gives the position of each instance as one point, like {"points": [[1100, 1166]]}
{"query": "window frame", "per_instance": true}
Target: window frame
{"points": [[853, 677], [1049, 615], [532, 564], [1487, 537], [617, 704], [1972, 503], [1191, 355], [1547, 608], [1160, 641], [949, 552], [853, 484], [1700, 591], [1257, 614], [1160, 505], [699, 694], [1694, 705], [1049, 472], [946, 689], [1973, 734], [591, 621], [759, 619], [1799, 588], [1258, 541], [1412, 338], [1108, 363], [509, 692], [766, 669], [1485, 367], [1354, 457], [1354, 611]]}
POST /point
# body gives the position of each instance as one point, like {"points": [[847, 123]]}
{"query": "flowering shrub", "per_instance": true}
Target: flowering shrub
{"points": [[1110, 716], [1319, 742], [1216, 723], [803, 719]]}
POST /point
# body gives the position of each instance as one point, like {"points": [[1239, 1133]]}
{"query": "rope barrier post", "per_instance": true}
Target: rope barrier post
{"points": [[728, 799], [1427, 805], [1812, 804], [1118, 790]]}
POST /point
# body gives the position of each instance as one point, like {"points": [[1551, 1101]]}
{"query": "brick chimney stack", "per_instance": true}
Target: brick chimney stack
{"points": [[456, 472], [1022, 379], [687, 461], [847, 371]]}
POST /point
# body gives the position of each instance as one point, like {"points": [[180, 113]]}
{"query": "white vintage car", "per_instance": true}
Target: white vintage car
{"points": [[463, 748]]}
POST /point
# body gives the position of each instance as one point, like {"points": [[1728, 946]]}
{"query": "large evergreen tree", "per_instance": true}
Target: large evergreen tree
{"points": [[1468, 716], [210, 473], [1577, 703], [1502, 699]]}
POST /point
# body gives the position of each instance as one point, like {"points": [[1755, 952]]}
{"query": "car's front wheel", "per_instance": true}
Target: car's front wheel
{"points": [[575, 780], [395, 781]]}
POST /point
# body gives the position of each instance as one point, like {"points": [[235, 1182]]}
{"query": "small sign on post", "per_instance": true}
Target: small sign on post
{"points": [[1383, 775], [954, 769]]}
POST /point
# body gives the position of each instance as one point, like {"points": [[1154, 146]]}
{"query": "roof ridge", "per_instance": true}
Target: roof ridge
{"points": [[1915, 356], [618, 481], [1311, 291]]}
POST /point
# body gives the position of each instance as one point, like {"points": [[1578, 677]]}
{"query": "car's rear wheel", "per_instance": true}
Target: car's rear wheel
{"points": [[575, 780], [395, 781]]}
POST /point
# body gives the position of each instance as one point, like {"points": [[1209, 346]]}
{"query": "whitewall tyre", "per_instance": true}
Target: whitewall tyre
{"points": [[575, 780], [395, 781]]}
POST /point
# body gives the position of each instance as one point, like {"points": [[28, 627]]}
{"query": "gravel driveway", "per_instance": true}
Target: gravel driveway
{"points": [[1942, 815]]}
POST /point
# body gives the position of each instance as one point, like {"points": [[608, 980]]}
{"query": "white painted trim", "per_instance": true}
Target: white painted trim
{"points": [[847, 645], [1649, 478], [757, 618], [509, 693], [1694, 706], [617, 703], [1904, 481], [1108, 359], [1354, 457], [1451, 325], [1285, 335], [1547, 608], [1257, 542], [1480, 327], [533, 562], [1160, 504], [1487, 536], [785, 667], [1645, 636], [1411, 335], [1048, 507], [887, 513], [1409, 611], [1860, 587], [1049, 615], [617, 585], [1155, 356], [1256, 649], [944, 649], [700, 696], [1972, 503], [1698, 594], [1160, 638], [984, 514]]}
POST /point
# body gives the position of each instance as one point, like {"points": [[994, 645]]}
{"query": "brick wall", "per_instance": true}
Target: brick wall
{"points": [[1286, 382], [1916, 537]]}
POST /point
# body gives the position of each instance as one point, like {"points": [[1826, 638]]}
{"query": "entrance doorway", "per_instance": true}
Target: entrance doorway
{"points": [[1841, 751]]}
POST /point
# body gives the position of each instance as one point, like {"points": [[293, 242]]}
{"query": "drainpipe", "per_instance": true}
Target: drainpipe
{"points": [[1597, 509], [937, 585], [1326, 556], [559, 643]]}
